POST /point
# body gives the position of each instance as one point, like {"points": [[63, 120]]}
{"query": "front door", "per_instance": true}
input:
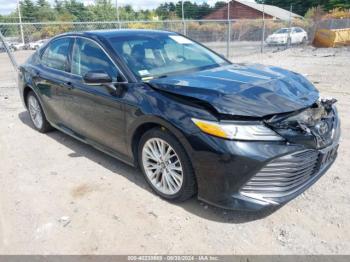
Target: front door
{"points": [[95, 113]]}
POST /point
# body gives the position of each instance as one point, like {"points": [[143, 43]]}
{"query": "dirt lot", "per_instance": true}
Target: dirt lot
{"points": [[59, 196]]}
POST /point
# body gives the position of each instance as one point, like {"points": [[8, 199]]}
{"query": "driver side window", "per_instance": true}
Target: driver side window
{"points": [[88, 56]]}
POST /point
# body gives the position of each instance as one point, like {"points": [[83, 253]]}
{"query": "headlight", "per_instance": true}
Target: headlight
{"points": [[237, 130]]}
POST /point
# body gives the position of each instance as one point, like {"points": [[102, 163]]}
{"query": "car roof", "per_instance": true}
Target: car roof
{"points": [[119, 32]]}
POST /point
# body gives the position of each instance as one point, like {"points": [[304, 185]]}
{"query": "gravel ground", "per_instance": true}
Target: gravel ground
{"points": [[59, 196]]}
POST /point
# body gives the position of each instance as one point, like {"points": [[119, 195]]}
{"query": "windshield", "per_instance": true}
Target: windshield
{"points": [[283, 31], [159, 55]]}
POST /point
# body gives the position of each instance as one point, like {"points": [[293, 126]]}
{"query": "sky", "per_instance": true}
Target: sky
{"points": [[7, 6]]}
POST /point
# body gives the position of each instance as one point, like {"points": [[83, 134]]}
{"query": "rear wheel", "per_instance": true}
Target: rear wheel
{"points": [[37, 114], [166, 166]]}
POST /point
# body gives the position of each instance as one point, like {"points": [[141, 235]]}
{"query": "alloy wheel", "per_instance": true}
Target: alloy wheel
{"points": [[35, 111], [162, 166]]}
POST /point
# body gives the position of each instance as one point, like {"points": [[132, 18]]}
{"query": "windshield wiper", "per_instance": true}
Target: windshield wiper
{"points": [[195, 69], [161, 76]]}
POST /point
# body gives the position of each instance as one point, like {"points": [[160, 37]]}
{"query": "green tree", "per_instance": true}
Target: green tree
{"points": [[219, 4], [44, 12], [103, 10], [193, 10], [28, 10], [59, 6], [204, 9], [127, 13], [166, 10], [43, 3], [77, 10], [341, 4], [190, 10]]}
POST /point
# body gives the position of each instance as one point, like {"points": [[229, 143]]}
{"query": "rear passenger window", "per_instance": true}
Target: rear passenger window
{"points": [[56, 54]]}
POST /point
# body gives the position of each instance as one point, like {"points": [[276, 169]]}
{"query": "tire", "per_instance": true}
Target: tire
{"points": [[36, 114], [165, 182], [304, 41]]}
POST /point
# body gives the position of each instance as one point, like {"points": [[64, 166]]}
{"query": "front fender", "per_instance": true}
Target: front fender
{"points": [[146, 106], [156, 120]]}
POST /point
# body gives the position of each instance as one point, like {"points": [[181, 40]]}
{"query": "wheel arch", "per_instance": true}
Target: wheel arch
{"points": [[150, 122], [26, 90], [25, 93], [136, 137]]}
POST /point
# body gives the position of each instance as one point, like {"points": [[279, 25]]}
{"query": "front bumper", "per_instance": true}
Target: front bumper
{"points": [[277, 41], [284, 178], [251, 176]]}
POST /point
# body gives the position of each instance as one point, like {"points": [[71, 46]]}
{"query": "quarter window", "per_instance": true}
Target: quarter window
{"points": [[56, 54], [88, 56]]}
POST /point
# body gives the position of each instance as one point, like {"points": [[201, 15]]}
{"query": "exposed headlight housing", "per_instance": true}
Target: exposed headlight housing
{"points": [[237, 130]]}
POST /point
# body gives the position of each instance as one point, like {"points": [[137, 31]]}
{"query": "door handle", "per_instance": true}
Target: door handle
{"points": [[37, 73], [69, 85]]}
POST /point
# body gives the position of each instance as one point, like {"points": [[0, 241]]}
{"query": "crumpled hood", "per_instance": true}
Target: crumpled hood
{"points": [[244, 90]]}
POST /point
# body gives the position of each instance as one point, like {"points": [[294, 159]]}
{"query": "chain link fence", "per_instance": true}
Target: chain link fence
{"points": [[333, 24], [231, 38], [220, 35]]}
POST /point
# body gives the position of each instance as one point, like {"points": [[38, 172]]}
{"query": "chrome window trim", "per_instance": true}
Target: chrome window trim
{"points": [[99, 84], [46, 47], [70, 72], [109, 57]]}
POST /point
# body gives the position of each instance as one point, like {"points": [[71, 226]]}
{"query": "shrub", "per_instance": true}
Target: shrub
{"points": [[337, 14]]}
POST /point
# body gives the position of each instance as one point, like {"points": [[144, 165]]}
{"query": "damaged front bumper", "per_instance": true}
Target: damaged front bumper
{"points": [[286, 177], [247, 175]]}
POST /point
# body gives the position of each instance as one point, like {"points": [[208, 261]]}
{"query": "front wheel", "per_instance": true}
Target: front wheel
{"points": [[166, 166]]}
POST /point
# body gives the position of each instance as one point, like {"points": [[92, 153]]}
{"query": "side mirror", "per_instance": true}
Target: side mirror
{"points": [[104, 79], [222, 56], [97, 77]]}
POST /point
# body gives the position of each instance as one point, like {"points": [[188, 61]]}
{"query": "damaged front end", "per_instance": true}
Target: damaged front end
{"points": [[316, 132], [314, 127]]}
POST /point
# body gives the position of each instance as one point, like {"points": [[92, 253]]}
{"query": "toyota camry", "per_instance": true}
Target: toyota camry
{"points": [[238, 136]]}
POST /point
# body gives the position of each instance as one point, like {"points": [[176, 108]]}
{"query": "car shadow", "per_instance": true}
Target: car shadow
{"points": [[134, 175]]}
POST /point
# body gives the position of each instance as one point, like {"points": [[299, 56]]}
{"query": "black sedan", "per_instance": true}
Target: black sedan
{"points": [[238, 136]]}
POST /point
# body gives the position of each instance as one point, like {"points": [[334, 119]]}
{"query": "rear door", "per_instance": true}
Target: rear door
{"points": [[52, 78], [95, 113]]}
